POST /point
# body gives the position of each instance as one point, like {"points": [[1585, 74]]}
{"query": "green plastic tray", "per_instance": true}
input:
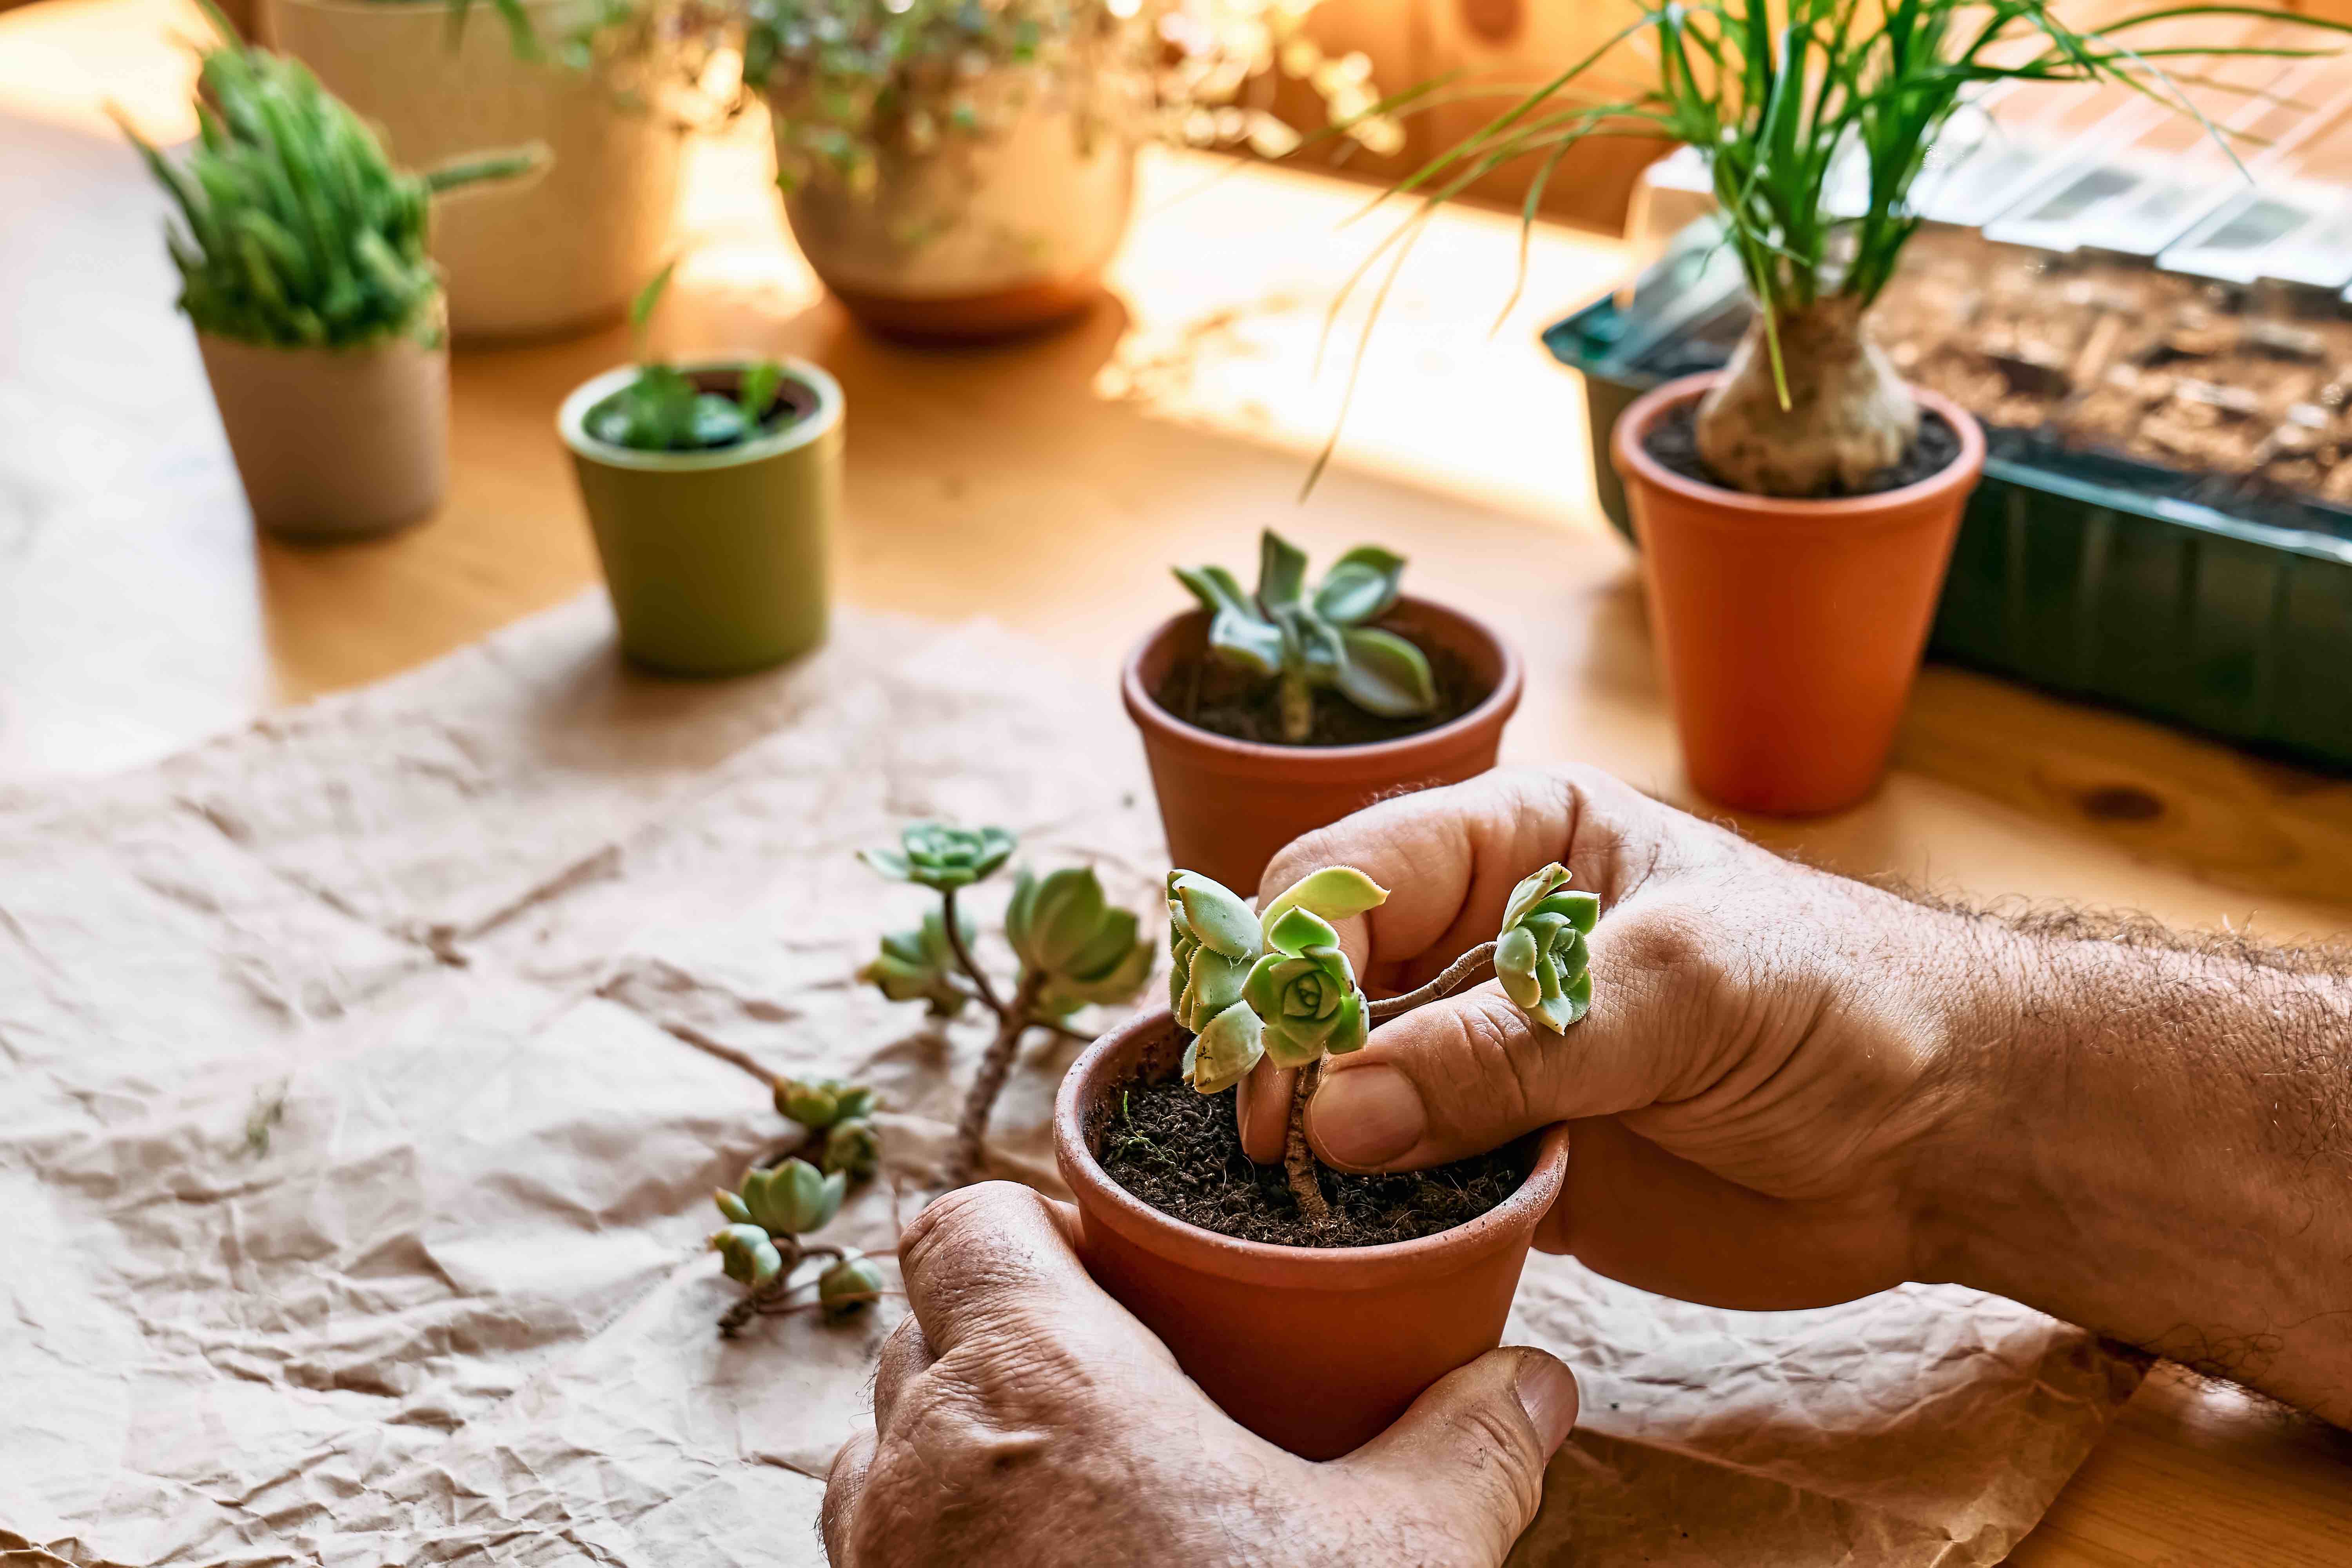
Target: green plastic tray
{"points": [[2091, 576]]}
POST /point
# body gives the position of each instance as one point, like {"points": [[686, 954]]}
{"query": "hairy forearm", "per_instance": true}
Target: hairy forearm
{"points": [[2162, 1146]]}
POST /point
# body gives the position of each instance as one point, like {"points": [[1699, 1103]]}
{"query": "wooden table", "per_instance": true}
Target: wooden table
{"points": [[1048, 486]]}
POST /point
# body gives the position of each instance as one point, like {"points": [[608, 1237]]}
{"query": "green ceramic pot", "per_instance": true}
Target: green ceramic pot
{"points": [[715, 560]]}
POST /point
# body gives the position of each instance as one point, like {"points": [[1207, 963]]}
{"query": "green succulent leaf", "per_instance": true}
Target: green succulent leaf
{"points": [[1281, 573], [1224, 1050], [1360, 586], [793, 1198], [1305, 992], [1333, 894], [920, 965], [1213, 983], [1238, 634], [731, 1205], [814, 1106], [852, 1148], [850, 1284], [1541, 956], [1212, 915], [936, 856], [1385, 674], [747, 1255]]}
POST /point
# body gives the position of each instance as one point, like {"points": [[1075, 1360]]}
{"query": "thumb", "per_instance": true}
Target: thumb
{"points": [[1470, 1454], [1467, 1074]]}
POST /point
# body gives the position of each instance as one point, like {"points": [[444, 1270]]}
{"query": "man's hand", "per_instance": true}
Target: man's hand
{"points": [[1022, 1419], [1794, 1089]]}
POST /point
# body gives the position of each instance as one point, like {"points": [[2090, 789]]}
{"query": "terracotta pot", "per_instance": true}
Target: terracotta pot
{"points": [[560, 251], [1229, 806], [717, 561], [1318, 1348], [1789, 629], [987, 235], [334, 443]]}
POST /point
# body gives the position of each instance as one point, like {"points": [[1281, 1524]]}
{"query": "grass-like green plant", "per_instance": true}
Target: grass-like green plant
{"points": [[1774, 94], [1074, 949], [1305, 641], [295, 230], [663, 410], [1275, 987]]}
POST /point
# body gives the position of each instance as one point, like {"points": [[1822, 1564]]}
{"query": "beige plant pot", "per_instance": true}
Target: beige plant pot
{"points": [[560, 251], [985, 234], [334, 443]]}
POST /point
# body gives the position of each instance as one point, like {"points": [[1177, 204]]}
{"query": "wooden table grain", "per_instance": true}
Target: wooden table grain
{"points": [[1048, 485]]}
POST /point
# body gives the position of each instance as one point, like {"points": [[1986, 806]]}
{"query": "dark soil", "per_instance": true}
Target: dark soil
{"points": [[1674, 442], [1213, 695], [1180, 1152]]}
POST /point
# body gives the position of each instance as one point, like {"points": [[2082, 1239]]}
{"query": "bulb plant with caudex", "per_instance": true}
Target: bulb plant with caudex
{"points": [[1304, 641], [1782, 97], [295, 230], [664, 409], [1074, 949], [1277, 987]]}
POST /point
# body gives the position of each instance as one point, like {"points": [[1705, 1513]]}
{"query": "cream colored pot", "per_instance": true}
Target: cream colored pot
{"points": [[562, 250], [334, 443], [984, 235]]}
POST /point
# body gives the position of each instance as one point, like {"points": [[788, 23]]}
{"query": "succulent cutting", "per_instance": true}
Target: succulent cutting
{"points": [[763, 1243], [1074, 950], [1304, 641], [1275, 986]]}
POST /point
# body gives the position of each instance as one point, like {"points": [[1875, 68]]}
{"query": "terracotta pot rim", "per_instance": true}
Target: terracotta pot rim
{"points": [[1259, 1262], [1737, 508], [571, 420], [1253, 757]]}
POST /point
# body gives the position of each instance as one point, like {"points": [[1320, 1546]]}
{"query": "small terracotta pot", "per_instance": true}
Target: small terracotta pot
{"points": [[1318, 1348], [1229, 806], [334, 443], [1789, 629]]}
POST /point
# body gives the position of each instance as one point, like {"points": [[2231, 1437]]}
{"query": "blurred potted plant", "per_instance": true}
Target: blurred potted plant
{"points": [[590, 79], [961, 170], [711, 487], [301, 255], [1267, 714], [1313, 1306], [1797, 509]]}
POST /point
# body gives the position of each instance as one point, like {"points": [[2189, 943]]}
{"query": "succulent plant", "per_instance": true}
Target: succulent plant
{"points": [[662, 409], [819, 1103], [1074, 946], [295, 231], [748, 1255], [935, 856], [1305, 992], [1251, 987], [1305, 641], [851, 1147], [1540, 955], [790, 1199], [850, 1283]]}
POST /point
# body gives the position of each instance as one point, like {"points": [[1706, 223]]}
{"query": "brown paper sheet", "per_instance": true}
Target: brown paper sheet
{"points": [[354, 1169]]}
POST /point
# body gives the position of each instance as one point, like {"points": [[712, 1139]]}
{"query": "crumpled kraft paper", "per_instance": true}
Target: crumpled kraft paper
{"points": [[355, 1148]]}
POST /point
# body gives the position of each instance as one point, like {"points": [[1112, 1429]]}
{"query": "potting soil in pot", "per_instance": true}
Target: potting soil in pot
{"points": [[1224, 701], [1674, 442], [1180, 1152]]}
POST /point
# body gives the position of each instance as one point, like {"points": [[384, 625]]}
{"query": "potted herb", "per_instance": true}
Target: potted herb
{"points": [[1797, 509], [301, 255], [711, 487], [1313, 1306], [588, 78], [954, 170], [1267, 714]]}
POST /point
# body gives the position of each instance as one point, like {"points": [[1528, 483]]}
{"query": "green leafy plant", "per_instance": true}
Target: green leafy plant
{"points": [[1777, 95], [763, 1244], [663, 409], [1277, 987], [1074, 949], [1305, 641], [294, 229]]}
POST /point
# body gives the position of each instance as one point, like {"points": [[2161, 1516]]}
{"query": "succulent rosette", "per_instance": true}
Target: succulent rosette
{"points": [[1072, 943], [1249, 986], [851, 1147], [1540, 955], [935, 856], [790, 1199], [1305, 992], [920, 965]]}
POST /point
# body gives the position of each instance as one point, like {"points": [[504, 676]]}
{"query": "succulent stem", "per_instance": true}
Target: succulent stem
{"points": [[1013, 1022], [1296, 701], [963, 954], [1298, 1162], [1464, 971]]}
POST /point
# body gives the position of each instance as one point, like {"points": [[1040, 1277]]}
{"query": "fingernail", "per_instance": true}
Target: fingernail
{"points": [[1366, 1116], [1547, 1392]]}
